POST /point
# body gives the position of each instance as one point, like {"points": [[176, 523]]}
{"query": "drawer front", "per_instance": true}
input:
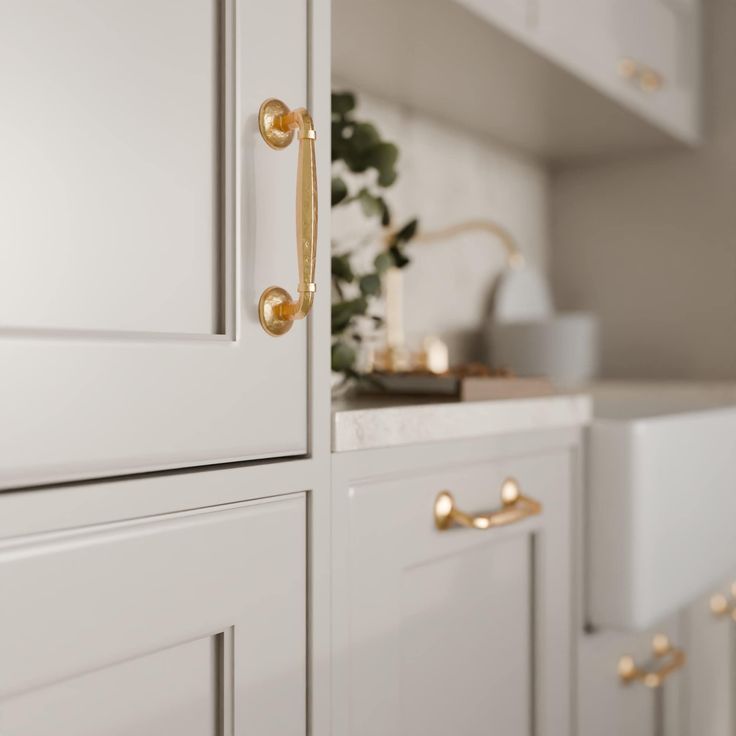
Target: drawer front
{"points": [[188, 623], [475, 621], [609, 707]]}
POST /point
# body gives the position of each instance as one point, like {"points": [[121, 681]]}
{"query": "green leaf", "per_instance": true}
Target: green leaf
{"points": [[383, 262], [370, 204], [339, 190], [342, 103], [343, 313], [385, 214], [342, 357], [365, 137], [383, 158], [370, 285], [399, 259], [341, 269], [407, 232]]}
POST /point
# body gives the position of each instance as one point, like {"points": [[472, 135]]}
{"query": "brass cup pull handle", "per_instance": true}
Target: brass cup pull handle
{"points": [[671, 657], [645, 77], [514, 507], [277, 311]]}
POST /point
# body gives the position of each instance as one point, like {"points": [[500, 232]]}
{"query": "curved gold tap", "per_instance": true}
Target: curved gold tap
{"points": [[514, 255]]}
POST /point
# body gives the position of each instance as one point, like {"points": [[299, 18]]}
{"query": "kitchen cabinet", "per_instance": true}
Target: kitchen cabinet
{"points": [[191, 622], [611, 705], [453, 630], [515, 15], [143, 217], [643, 52], [711, 670]]}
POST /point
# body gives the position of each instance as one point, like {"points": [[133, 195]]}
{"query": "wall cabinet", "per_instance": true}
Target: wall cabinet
{"points": [[456, 630], [643, 52], [143, 216], [184, 623], [515, 15]]}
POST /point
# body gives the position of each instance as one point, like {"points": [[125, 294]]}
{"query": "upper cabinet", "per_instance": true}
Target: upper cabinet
{"points": [[562, 79], [142, 216], [644, 53]]}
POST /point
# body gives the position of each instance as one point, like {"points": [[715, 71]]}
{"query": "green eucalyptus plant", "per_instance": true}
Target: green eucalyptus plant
{"points": [[357, 148]]}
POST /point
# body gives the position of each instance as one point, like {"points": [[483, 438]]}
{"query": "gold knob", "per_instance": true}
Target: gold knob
{"points": [[514, 507], [721, 605], [277, 311], [662, 649]]}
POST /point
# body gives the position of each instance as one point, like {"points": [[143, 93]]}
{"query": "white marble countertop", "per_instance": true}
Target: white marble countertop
{"points": [[365, 423]]}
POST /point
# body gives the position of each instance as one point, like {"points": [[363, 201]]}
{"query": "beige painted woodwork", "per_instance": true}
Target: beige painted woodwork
{"points": [[608, 707], [187, 623], [462, 631], [141, 218]]}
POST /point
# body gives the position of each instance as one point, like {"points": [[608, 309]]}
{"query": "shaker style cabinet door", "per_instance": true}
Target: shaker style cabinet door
{"points": [[710, 631], [632, 683], [205, 635], [454, 630], [142, 215]]}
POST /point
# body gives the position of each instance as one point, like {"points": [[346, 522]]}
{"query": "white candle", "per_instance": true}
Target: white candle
{"points": [[393, 283]]}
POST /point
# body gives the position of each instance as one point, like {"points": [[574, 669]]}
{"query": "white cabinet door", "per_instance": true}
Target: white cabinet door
{"points": [[644, 52], [456, 631], [141, 217], [190, 624], [711, 670], [609, 707]]}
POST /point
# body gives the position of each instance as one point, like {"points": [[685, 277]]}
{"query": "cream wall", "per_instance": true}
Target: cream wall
{"points": [[650, 243], [445, 176]]}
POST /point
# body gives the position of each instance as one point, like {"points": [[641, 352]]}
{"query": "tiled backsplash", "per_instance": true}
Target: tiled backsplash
{"points": [[446, 176]]}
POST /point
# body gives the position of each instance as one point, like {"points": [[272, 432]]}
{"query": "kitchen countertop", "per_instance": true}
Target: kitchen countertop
{"points": [[363, 423]]}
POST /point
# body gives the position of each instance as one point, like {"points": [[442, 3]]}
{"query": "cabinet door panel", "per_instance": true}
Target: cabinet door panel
{"points": [[606, 706], [477, 621], [142, 215], [188, 623], [711, 669]]}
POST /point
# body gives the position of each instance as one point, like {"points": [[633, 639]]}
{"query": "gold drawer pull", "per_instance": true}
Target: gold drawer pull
{"points": [[276, 309], [662, 649], [721, 605], [647, 78], [514, 507]]}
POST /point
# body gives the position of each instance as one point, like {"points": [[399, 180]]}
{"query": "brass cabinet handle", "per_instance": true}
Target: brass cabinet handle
{"points": [[277, 123], [721, 605], [662, 649], [647, 78], [514, 507]]}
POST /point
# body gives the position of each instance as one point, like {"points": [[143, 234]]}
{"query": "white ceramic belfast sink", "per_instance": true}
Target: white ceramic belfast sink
{"points": [[661, 498]]}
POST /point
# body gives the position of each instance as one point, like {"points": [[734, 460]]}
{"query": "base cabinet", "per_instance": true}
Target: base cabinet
{"points": [[711, 670], [458, 630], [609, 706], [189, 623]]}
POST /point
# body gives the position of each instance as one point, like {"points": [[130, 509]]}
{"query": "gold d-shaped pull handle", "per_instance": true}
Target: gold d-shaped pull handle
{"points": [[663, 651], [515, 507], [276, 309]]}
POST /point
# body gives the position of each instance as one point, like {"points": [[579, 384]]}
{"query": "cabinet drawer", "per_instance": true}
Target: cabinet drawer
{"points": [[181, 623], [474, 619], [609, 707]]}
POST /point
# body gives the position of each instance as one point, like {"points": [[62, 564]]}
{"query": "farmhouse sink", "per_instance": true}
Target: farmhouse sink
{"points": [[661, 498]]}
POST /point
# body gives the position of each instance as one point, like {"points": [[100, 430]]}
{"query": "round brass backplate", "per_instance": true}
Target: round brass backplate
{"points": [[270, 299], [270, 111]]}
